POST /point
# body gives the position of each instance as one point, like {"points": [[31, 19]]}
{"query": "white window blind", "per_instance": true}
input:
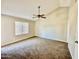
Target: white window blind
{"points": [[21, 28]]}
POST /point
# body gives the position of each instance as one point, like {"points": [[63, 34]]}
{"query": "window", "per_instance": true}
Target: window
{"points": [[21, 28]]}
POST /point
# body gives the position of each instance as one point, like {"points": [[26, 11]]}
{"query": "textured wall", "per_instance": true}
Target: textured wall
{"points": [[8, 29]]}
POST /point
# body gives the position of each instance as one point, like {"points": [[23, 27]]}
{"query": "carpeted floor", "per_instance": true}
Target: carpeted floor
{"points": [[36, 48]]}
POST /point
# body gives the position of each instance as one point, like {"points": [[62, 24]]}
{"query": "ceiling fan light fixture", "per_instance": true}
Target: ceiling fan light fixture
{"points": [[39, 15]]}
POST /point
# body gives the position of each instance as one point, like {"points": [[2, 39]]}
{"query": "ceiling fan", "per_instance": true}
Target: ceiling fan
{"points": [[39, 15]]}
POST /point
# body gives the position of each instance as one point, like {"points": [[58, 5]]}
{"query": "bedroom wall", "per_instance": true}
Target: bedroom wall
{"points": [[72, 31], [8, 29], [72, 24], [54, 26]]}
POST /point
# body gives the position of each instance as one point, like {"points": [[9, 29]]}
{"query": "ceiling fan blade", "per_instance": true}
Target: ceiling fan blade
{"points": [[34, 17], [43, 17]]}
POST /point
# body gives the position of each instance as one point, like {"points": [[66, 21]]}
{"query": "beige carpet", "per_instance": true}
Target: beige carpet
{"points": [[36, 48]]}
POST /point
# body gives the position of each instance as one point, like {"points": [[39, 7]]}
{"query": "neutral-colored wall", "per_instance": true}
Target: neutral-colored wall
{"points": [[72, 30], [72, 24], [8, 29], [54, 26], [66, 3]]}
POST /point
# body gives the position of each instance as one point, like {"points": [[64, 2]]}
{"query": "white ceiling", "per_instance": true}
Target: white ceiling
{"points": [[26, 8]]}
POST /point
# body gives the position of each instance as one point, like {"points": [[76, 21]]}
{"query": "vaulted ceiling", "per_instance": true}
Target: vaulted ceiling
{"points": [[26, 8]]}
